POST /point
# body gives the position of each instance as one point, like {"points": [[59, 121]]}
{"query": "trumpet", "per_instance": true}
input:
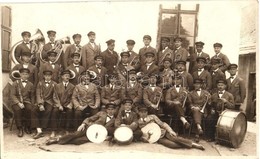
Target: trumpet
{"points": [[205, 104], [158, 102], [184, 101], [165, 55]]}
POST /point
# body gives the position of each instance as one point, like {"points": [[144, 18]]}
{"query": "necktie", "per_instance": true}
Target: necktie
{"points": [[220, 92], [198, 54], [66, 84]]}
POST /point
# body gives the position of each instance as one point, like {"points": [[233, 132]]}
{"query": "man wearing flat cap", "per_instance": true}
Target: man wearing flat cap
{"points": [[218, 55], [25, 46], [90, 50], [198, 53], [50, 46], [221, 100], [149, 67], [236, 86], [165, 52], [147, 48], [72, 48], [203, 74], [187, 77], [110, 57], [180, 53], [22, 99], [134, 57], [216, 74], [76, 67]]}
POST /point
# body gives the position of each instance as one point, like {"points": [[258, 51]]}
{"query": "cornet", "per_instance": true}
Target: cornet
{"points": [[205, 104]]}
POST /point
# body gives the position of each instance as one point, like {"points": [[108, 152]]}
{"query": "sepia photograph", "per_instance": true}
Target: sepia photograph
{"points": [[129, 79]]}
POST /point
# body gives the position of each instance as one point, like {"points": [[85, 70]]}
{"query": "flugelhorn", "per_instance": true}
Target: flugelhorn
{"points": [[37, 41], [205, 104]]}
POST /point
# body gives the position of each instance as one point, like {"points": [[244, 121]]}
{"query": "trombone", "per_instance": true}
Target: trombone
{"points": [[205, 104]]}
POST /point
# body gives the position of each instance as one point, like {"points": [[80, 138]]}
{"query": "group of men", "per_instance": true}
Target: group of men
{"points": [[84, 82]]}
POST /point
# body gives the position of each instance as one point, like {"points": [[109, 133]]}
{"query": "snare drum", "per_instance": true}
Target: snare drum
{"points": [[123, 135], [96, 133], [231, 128]]}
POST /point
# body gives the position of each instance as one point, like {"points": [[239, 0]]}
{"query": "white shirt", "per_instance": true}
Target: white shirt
{"points": [[199, 92], [152, 87], [217, 54], [47, 83], [77, 67], [177, 89], [164, 49], [28, 44], [214, 71], [220, 95], [199, 72], [108, 118], [232, 79], [92, 44], [24, 83], [65, 84], [52, 64], [25, 66], [148, 65], [127, 113], [132, 83], [199, 54], [112, 86]]}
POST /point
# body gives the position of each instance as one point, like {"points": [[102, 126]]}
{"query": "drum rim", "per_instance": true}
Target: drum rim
{"points": [[123, 127], [101, 127]]}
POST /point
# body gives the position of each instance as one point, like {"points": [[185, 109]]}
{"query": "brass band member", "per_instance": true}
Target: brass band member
{"points": [[187, 77], [22, 100], [166, 52], [149, 67], [220, 101], [147, 48], [175, 100], [105, 118], [85, 98], [123, 67], [62, 101], [180, 53], [71, 49], [216, 74], [25, 46], [41, 113], [134, 57], [168, 137], [223, 58], [166, 74], [110, 57], [198, 99]]}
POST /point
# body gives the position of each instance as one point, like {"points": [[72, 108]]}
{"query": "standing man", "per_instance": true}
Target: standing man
{"points": [[147, 48], [22, 100], [149, 67], [223, 58], [134, 57], [180, 53], [166, 52], [110, 57], [236, 86], [25, 46], [198, 53], [71, 49]]}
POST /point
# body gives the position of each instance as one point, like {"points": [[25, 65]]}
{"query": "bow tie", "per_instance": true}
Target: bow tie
{"points": [[198, 90], [47, 82], [51, 42], [177, 86], [232, 77], [199, 70], [110, 117], [53, 63], [24, 81], [143, 119], [125, 64], [76, 65], [127, 111], [153, 86], [220, 92]]}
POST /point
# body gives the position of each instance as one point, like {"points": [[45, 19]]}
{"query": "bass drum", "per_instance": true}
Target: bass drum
{"points": [[123, 135], [96, 133], [231, 128]]}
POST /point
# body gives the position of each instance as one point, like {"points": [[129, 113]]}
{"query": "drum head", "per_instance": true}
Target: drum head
{"points": [[96, 133], [123, 134], [151, 132], [238, 131]]}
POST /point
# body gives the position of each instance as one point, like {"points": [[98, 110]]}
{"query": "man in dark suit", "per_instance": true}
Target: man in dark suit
{"points": [[123, 67], [41, 113], [100, 71], [134, 57], [25, 63], [85, 98], [50, 46], [149, 67], [90, 50], [180, 53], [25, 46], [71, 49], [236, 86], [216, 74], [76, 68], [187, 77], [147, 48], [198, 53], [223, 58], [110, 57], [105, 118], [62, 97], [221, 100], [127, 117], [203, 74], [166, 52], [51, 65], [22, 100]]}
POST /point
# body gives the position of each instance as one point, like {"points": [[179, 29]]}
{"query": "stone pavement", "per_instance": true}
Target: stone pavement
{"points": [[26, 147]]}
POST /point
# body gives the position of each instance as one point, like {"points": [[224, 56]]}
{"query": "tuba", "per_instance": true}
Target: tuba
{"points": [[37, 40], [15, 75]]}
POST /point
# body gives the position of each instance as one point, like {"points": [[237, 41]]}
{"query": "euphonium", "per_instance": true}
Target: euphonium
{"points": [[37, 41], [58, 46], [15, 75]]}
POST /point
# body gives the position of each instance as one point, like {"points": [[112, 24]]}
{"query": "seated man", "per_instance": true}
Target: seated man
{"points": [[105, 118], [127, 117], [168, 137]]}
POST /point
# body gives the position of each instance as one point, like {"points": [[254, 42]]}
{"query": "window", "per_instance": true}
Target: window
{"points": [[6, 38], [179, 20]]}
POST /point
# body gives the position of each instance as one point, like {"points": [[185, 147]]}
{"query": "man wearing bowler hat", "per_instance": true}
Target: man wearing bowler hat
{"points": [[134, 57], [71, 49], [147, 48], [22, 99], [25, 46], [90, 50], [198, 53], [223, 58], [110, 57]]}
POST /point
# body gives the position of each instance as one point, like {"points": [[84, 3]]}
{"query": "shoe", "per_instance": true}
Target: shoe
{"points": [[197, 146], [38, 135], [52, 141], [187, 125], [210, 140], [20, 133], [28, 130], [200, 131]]}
